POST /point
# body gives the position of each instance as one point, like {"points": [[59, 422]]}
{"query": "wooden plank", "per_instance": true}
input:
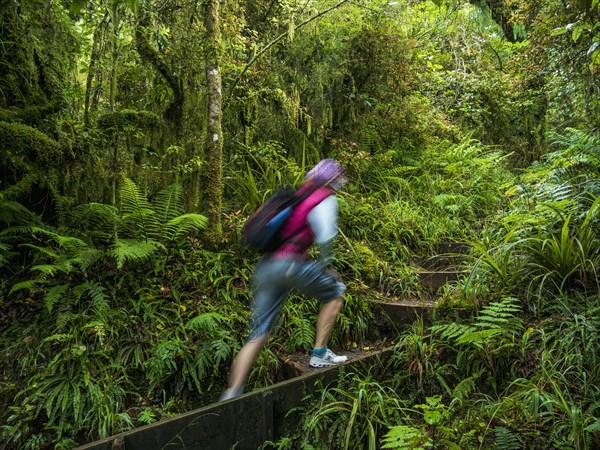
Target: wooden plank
{"points": [[244, 422]]}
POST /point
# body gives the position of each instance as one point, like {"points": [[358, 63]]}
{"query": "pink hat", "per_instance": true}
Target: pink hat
{"points": [[327, 171]]}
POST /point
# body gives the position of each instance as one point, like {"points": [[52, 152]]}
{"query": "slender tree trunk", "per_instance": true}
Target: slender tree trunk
{"points": [[212, 195], [115, 57], [96, 43]]}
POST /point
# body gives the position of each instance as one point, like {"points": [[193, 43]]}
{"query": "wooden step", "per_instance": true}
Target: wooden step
{"points": [[243, 423], [434, 280], [404, 312]]}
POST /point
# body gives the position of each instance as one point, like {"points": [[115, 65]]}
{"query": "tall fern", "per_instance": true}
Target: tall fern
{"points": [[136, 211]]}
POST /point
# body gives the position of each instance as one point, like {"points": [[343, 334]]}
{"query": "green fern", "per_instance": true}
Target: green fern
{"points": [[137, 213], [465, 387], [54, 295], [27, 284], [13, 213], [97, 294], [221, 350], [403, 437], [500, 315], [95, 219], [6, 254], [168, 203], [495, 318], [303, 333], [125, 250], [183, 225], [205, 322], [452, 331], [506, 439]]}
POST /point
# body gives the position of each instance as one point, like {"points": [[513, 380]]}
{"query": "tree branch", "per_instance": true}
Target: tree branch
{"points": [[271, 44]]}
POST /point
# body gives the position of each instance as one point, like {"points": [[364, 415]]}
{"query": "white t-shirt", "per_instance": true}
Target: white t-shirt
{"points": [[323, 220]]}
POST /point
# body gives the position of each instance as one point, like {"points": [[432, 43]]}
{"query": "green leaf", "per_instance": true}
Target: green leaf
{"points": [[77, 6], [593, 427], [54, 295], [133, 250], [559, 31]]}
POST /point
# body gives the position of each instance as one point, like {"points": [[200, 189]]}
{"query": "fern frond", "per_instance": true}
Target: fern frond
{"points": [[98, 295], [465, 387], [51, 269], [478, 338], [59, 337], [6, 254], [221, 350], [168, 203], [13, 213], [67, 242], [95, 217], [303, 334], [133, 250], [506, 439], [205, 322], [500, 315], [403, 437], [452, 331], [136, 211], [27, 284], [54, 295], [184, 225], [46, 251], [89, 257]]}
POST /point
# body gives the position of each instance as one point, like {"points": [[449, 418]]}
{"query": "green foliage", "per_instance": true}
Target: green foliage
{"points": [[26, 151], [353, 414], [114, 315], [256, 172], [506, 439], [100, 359], [406, 437], [128, 120]]}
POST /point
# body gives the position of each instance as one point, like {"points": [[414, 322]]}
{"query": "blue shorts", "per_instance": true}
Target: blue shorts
{"points": [[275, 278]]}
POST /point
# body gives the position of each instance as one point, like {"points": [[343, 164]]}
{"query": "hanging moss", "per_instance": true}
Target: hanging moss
{"points": [[120, 121]]}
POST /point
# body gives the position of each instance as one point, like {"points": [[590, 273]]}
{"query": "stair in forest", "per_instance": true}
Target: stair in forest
{"points": [[244, 423], [269, 413], [442, 268]]}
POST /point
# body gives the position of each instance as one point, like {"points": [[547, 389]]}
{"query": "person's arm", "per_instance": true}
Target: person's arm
{"points": [[323, 222]]}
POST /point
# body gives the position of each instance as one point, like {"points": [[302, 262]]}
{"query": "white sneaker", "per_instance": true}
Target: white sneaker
{"points": [[326, 360], [228, 394]]}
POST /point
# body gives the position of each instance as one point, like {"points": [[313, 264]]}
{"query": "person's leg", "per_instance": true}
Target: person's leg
{"points": [[269, 291], [313, 280], [321, 355], [326, 321], [243, 363]]}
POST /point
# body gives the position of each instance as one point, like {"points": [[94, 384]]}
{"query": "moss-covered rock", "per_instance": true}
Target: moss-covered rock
{"points": [[25, 150], [120, 121]]}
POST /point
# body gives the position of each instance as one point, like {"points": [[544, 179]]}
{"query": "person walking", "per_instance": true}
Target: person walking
{"points": [[314, 221]]}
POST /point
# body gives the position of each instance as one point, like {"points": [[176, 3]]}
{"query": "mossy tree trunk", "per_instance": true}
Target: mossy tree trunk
{"points": [[92, 68], [213, 177], [174, 112]]}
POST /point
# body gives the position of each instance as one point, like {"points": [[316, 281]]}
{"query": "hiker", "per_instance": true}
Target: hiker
{"points": [[314, 220]]}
